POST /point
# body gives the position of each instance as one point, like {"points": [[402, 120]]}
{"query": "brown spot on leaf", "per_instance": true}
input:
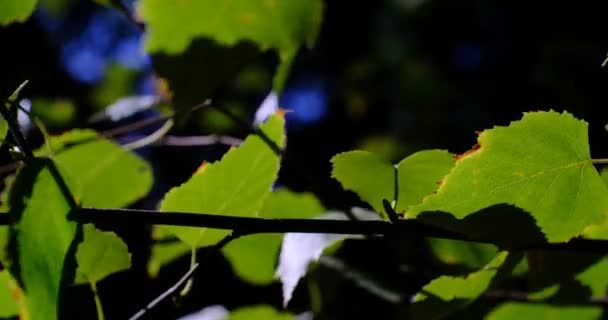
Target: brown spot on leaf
{"points": [[468, 152]]}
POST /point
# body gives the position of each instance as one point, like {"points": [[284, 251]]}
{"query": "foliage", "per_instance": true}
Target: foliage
{"points": [[495, 213]]}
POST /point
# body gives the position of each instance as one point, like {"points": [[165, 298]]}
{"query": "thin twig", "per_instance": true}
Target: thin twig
{"points": [[253, 129], [192, 141], [152, 138], [135, 125], [186, 277], [165, 294]]}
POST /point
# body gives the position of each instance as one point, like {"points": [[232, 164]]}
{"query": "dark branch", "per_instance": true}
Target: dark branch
{"points": [[13, 126], [192, 141], [249, 225]]}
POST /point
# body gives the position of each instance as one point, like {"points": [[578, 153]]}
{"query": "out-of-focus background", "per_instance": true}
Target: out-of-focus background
{"points": [[391, 77]]}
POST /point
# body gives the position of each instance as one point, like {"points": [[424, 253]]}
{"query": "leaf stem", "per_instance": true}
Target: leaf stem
{"points": [[188, 285], [98, 305], [599, 161]]}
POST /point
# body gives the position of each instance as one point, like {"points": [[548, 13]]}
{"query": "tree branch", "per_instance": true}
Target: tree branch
{"points": [[250, 225]]}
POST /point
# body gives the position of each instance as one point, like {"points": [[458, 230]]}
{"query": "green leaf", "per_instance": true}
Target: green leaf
{"points": [[8, 305], [280, 25], [595, 278], [15, 10], [91, 166], [254, 257], [448, 288], [420, 174], [540, 164], [101, 254], [43, 236], [528, 311], [373, 179], [261, 312], [370, 177], [235, 185]]}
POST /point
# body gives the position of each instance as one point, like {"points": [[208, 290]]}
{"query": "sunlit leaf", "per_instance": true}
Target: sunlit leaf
{"points": [[43, 236], [448, 288], [101, 254], [91, 166], [235, 185], [373, 179], [540, 164], [16, 10], [528, 311], [254, 257]]}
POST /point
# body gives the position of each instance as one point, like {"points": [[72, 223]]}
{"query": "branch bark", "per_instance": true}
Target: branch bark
{"points": [[250, 225]]}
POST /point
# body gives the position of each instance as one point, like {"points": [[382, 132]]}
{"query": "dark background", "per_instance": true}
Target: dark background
{"points": [[391, 77]]}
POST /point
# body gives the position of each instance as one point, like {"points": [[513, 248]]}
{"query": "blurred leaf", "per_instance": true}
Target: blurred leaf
{"points": [[8, 305], [470, 254], [235, 185], [57, 8], [281, 25], [261, 312], [91, 165], [196, 74], [43, 236], [216, 42], [556, 182], [299, 250], [254, 257], [118, 83], [528, 311], [373, 179], [99, 255], [385, 147], [448, 288], [215, 121], [54, 113], [16, 10]]}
